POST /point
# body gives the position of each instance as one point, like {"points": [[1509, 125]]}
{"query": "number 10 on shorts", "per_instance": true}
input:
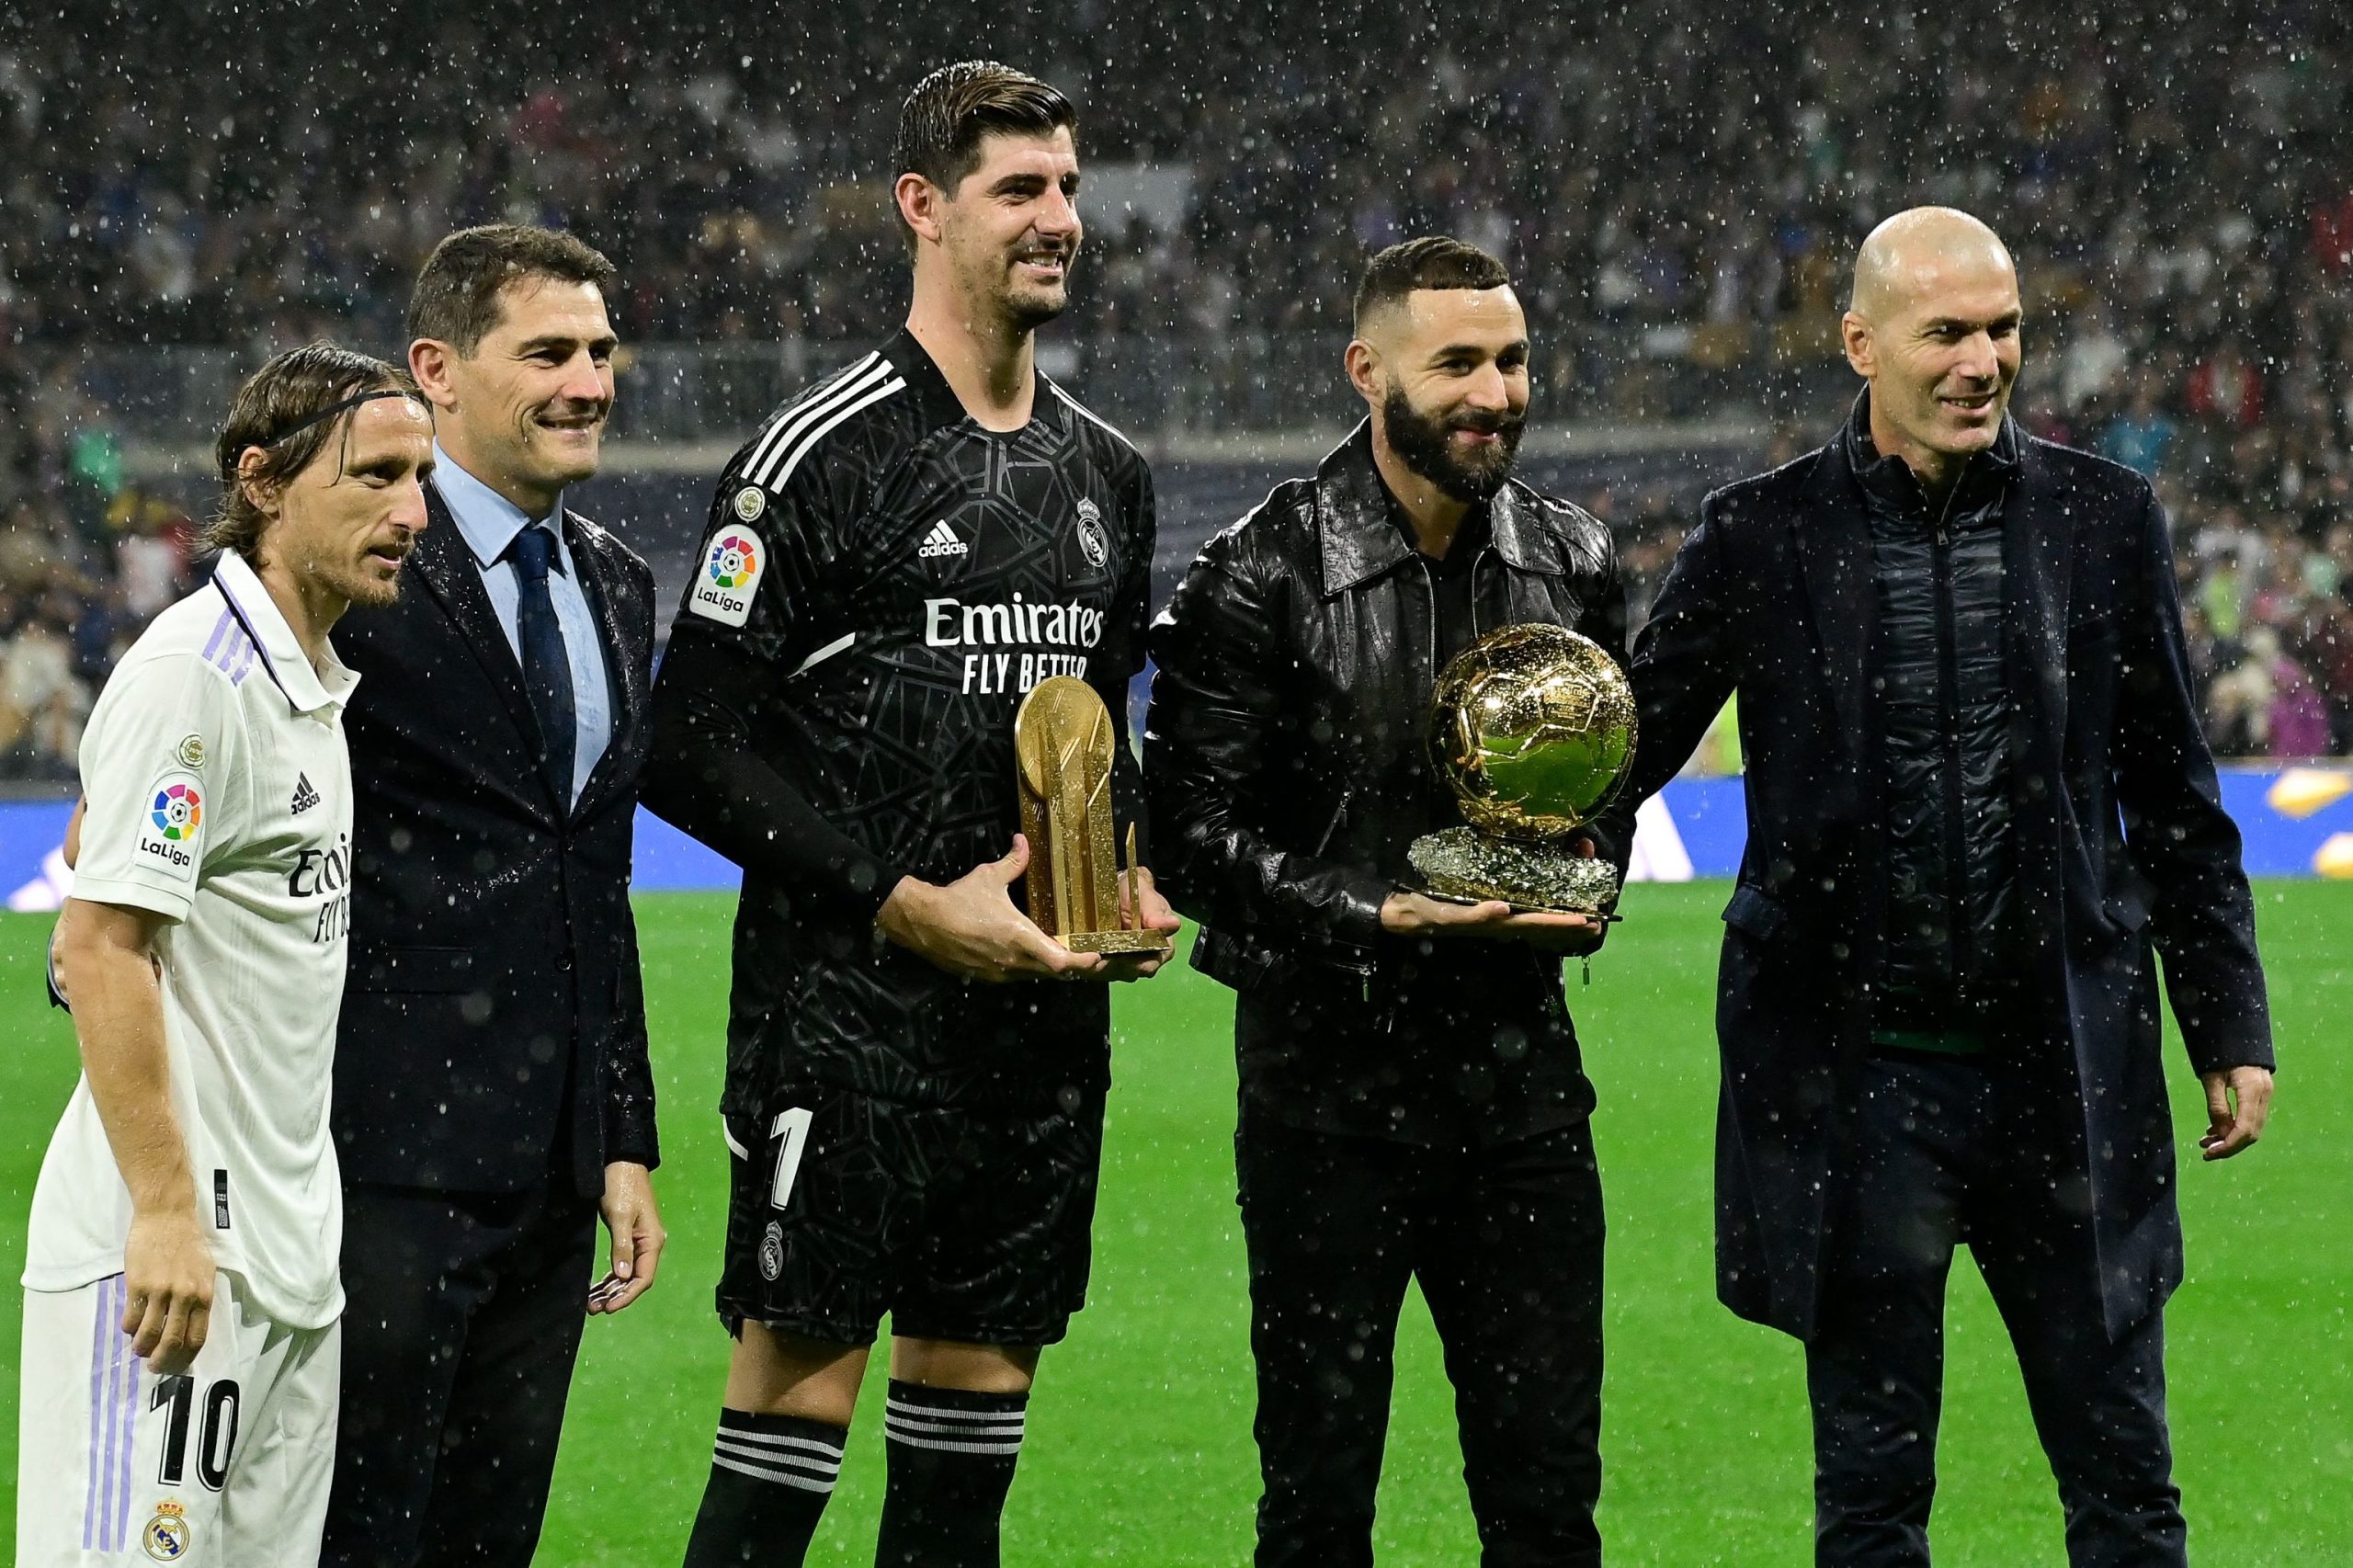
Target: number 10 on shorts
{"points": [[790, 1133]]}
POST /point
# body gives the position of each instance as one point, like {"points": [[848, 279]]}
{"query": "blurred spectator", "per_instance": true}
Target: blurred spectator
{"points": [[1678, 189], [2141, 436]]}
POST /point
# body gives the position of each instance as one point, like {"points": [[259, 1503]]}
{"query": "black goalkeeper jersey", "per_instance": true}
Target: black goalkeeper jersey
{"points": [[882, 581]]}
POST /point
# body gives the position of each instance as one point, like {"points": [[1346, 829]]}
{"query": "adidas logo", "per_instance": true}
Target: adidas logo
{"points": [[304, 796], [942, 540]]}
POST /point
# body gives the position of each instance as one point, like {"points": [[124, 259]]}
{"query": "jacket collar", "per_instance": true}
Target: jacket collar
{"points": [[1359, 541], [1888, 482], [306, 689]]}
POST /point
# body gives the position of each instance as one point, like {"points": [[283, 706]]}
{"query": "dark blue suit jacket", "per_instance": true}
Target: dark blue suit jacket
{"points": [[492, 1017], [2122, 847]]}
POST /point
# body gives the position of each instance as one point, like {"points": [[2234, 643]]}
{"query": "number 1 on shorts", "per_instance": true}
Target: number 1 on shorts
{"points": [[791, 1131]]}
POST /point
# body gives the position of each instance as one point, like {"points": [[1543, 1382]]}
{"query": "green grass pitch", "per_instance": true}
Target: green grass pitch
{"points": [[1139, 1449]]}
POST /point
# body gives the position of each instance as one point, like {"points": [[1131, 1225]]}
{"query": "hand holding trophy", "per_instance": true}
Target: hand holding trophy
{"points": [[1532, 727], [1078, 894]]}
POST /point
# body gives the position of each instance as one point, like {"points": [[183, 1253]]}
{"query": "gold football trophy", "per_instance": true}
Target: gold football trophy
{"points": [[1532, 727], [1062, 745]]}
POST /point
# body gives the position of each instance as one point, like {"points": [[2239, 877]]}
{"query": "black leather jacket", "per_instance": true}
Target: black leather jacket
{"points": [[1286, 758], [1943, 715]]}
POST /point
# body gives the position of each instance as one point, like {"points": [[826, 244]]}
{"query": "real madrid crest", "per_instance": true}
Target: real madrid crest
{"points": [[750, 501], [190, 751], [1091, 540], [772, 1252], [166, 1535]]}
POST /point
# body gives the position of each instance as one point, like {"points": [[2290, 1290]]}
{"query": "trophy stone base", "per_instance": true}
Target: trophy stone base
{"points": [[1117, 941], [1460, 864]]}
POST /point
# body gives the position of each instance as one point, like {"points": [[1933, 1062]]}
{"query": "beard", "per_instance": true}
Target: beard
{"points": [[1028, 308], [1023, 306], [358, 585], [1423, 444]]}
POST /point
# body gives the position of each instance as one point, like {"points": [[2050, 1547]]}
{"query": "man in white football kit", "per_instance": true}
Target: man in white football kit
{"points": [[180, 1338]]}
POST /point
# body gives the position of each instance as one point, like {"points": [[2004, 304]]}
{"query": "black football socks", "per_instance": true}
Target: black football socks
{"points": [[951, 1464], [769, 1478]]}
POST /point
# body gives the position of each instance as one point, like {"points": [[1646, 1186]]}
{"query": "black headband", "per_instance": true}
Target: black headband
{"points": [[330, 411]]}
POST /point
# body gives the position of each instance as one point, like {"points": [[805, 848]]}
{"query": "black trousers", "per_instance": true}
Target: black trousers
{"points": [[1507, 1243], [1946, 1153], [462, 1320]]}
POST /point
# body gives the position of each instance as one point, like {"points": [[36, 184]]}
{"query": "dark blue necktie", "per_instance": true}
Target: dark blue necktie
{"points": [[547, 673]]}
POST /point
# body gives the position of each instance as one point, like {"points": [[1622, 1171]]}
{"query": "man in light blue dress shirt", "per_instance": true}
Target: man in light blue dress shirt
{"points": [[493, 1097]]}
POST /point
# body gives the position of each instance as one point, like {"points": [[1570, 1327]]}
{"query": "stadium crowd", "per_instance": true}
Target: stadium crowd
{"points": [[1672, 192]]}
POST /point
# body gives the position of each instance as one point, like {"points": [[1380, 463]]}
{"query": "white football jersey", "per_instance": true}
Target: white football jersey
{"points": [[219, 794]]}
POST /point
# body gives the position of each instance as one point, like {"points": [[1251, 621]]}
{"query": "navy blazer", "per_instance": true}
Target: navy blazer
{"points": [[2121, 844], [494, 1018]]}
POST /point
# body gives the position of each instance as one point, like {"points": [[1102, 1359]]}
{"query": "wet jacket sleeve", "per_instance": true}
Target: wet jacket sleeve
{"points": [[1603, 621], [1120, 661], [1216, 747], [1683, 675], [627, 1111], [629, 1133], [2203, 919], [758, 609]]}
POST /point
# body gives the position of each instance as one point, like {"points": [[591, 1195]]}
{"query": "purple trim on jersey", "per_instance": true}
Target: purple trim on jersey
{"points": [[220, 630], [253, 648], [123, 1449], [114, 1422], [231, 648], [99, 1349]]}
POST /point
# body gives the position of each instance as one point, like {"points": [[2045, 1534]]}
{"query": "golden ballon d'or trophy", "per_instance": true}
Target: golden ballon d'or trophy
{"points": [[1532, 727], [1062, 744]]}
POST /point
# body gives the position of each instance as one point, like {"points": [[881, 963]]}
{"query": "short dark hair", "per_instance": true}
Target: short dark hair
{"points": [[456, 298], [1434, 261], [943, 120], [278, 410]]}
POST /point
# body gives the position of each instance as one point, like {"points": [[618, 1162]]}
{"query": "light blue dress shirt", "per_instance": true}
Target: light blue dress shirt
{"points": [[489, 523]]}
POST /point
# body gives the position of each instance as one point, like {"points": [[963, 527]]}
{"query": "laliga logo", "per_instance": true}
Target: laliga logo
{"points": [[733, 562], [179, 811]]}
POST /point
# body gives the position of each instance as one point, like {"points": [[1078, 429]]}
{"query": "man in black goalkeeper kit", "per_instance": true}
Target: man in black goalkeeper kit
{"points": [[897, 556], [1413, 1102]]}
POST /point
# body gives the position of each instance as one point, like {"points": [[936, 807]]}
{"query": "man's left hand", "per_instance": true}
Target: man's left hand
{"points": [[2238, 1102], [1157, 916], [637, 1237]]}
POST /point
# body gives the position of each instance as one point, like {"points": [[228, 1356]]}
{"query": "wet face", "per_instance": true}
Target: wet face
{"points": [[347, 520], [1450, 368], [529, 405], [1011, 231], [1939, 340]]}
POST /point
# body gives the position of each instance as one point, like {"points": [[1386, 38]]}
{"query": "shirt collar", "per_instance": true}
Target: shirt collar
{"points": [[306, 688], [487, 521], [908, 358]]}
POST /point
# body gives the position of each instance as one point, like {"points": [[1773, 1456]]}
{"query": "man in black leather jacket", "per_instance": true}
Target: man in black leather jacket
{"points": [[1412, 1104], [1978, 798]]}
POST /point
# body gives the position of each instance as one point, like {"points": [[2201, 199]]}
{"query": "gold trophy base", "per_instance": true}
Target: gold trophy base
{"points": [[1472, 867], [1117, 941]]}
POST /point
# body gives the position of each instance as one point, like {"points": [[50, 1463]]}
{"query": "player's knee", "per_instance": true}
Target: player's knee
{"points": [[776, 1373], [974, 1368]]}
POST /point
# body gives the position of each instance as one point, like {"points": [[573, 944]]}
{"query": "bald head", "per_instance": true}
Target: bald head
{"points": [[1934, 328], [1920, 251]]}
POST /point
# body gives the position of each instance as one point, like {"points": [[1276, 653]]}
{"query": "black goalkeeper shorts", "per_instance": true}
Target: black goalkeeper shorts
{"points": [[962, 1226]]}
